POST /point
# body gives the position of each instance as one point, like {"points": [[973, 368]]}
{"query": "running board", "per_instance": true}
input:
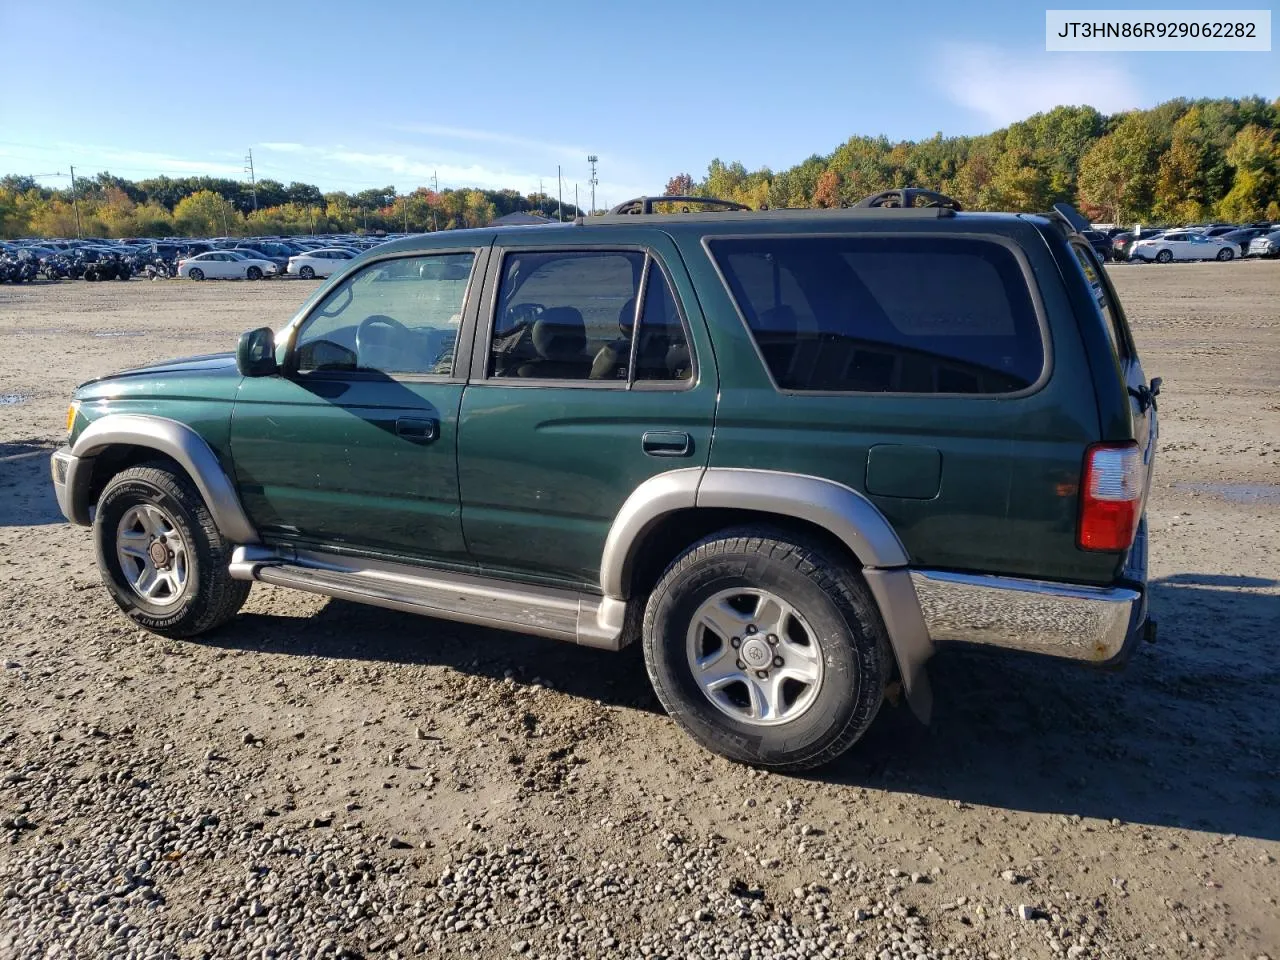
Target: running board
{"points": [[581, 618]]}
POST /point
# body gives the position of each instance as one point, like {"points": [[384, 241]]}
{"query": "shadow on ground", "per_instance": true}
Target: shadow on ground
{"points": [[1186, 736], [26, 489]]}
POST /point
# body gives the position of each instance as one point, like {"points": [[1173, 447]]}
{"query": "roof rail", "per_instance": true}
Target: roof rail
{"points": [[907, 197], [645, 204]]}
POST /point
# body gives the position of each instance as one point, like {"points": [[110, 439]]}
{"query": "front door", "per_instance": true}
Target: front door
{"points": [[592, 373], [353, 445]]}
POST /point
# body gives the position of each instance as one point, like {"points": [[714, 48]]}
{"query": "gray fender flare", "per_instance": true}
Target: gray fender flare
{"points": [[843, 511], [183, 444]]}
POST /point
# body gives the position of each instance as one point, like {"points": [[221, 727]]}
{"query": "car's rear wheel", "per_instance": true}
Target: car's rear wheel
{"points": [[1226, 253], [161, 555], [306, 273], [1164, 256], [766, 648], [254, 273], [196, 273]]}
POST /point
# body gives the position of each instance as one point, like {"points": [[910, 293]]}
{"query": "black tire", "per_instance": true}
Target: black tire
{"points": [[195, 273], [306, 272], [1225, 254], [210, 597], [254, 273], [1164, 256], [826, 591]]}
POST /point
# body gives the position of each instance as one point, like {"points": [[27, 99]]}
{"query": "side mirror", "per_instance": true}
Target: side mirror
{"points": [[256, 353]]}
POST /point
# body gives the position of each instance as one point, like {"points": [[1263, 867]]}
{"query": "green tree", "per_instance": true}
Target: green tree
{"points": [[1254, 155], [206, 213], [1118, 173]]}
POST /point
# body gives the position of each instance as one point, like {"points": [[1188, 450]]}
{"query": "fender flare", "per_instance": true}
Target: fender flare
{"points": [[843, 511], [181, 443]]}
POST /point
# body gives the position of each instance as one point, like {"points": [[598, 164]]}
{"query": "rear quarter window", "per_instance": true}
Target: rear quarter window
{"points": [[924, 315]]}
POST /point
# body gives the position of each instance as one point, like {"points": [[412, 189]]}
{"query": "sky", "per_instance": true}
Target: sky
{"points": [[350, 96]]}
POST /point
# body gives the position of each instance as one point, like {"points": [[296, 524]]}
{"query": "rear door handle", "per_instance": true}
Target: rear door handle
{"points": [[418, 429], [667, 443]]}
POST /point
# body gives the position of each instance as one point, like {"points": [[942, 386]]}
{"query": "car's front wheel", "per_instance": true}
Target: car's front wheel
{"points": [[766, 648], [161, 555], [1226, 253], [254, 273]]}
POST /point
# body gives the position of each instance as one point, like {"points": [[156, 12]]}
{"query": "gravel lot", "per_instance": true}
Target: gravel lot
{"points": [[323, 779]]}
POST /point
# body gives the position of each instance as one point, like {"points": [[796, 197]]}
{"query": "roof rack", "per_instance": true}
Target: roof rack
{"points": [[907, 197], [645, 204]]}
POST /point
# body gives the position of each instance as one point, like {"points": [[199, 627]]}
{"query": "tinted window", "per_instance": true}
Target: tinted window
{"points": [[558, 311], [886, 314], [397, 316]]}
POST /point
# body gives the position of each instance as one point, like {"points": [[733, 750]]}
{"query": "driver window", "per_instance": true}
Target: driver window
{"points": [[396, 317]]}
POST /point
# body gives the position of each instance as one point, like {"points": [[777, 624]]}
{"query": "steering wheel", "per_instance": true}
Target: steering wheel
{"points": [[365, 338], [523, 315]]}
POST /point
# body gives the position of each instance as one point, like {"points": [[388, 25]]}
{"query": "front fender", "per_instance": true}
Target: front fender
{"points": [[173, 439]]}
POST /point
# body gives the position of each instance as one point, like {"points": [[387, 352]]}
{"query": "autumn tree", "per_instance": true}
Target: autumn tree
{"points": [[1118, 173]]}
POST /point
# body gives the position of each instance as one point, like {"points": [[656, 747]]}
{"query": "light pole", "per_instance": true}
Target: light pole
{"points": [[593, 160]]}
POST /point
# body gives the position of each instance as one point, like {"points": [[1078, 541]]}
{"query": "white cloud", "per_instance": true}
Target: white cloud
{"points": [[494, 137], [1002, 87], [282, 147]]}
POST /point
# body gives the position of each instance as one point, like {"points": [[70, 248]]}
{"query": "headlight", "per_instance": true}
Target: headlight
{"points": [[72, 410]]}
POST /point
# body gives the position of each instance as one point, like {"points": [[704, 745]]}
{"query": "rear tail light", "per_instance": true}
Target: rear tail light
{"points": [[1110, 497]]}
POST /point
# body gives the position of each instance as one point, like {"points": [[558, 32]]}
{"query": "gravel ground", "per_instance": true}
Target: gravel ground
{"points": [[321, 779]]}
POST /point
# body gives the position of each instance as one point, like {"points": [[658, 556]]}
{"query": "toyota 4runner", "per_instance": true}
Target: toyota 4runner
{"points": [[792, 452]]}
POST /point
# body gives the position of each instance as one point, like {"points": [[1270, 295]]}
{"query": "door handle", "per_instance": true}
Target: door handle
{"points": [[418, 429], [667, 443]]}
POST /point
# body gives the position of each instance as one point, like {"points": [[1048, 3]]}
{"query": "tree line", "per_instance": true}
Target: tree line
{"points": [[1179, 162], [111, 206]]}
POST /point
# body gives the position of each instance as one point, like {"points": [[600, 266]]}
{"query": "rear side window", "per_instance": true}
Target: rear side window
{"points": [[1101, 294], [886, 314]]}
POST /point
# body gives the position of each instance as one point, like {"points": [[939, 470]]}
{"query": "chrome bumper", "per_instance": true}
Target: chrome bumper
{"points": [[69, 472], [1095, 624]]}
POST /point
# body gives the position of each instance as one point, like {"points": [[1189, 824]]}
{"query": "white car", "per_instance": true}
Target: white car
{"points": [[319, 263], [1183, 245], [224, 265], [1267, 245]]}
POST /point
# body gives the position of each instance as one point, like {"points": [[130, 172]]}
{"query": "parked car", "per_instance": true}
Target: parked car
{"points": [[224, 265], [1181, 245], [1242, 236], [279, 262], [853, 515], [1100, 242], [320, 263], [1267, 245], [1121, 243]]}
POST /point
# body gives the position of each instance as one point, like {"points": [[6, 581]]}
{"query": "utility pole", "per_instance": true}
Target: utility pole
{"points": [[559, 195], [435, 188], [593, 160], [75, 201], [577, 210], [404, 204], [253, 183], [540, 195]]}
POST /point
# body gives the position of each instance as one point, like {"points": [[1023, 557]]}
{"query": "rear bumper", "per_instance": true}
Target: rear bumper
{"points": [[1098, 625]]}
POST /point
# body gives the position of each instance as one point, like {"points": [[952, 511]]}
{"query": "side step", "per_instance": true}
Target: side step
{"points": [[467, 598]]}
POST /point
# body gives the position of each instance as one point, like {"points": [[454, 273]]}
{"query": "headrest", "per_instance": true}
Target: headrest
{"points": [[560, 334], [627, 317]]}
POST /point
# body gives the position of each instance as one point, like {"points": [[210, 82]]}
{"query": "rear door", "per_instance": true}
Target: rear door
{"points": [[592, 373]]}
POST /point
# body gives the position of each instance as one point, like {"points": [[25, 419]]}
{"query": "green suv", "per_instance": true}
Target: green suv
{"points": [[792, 452]]}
